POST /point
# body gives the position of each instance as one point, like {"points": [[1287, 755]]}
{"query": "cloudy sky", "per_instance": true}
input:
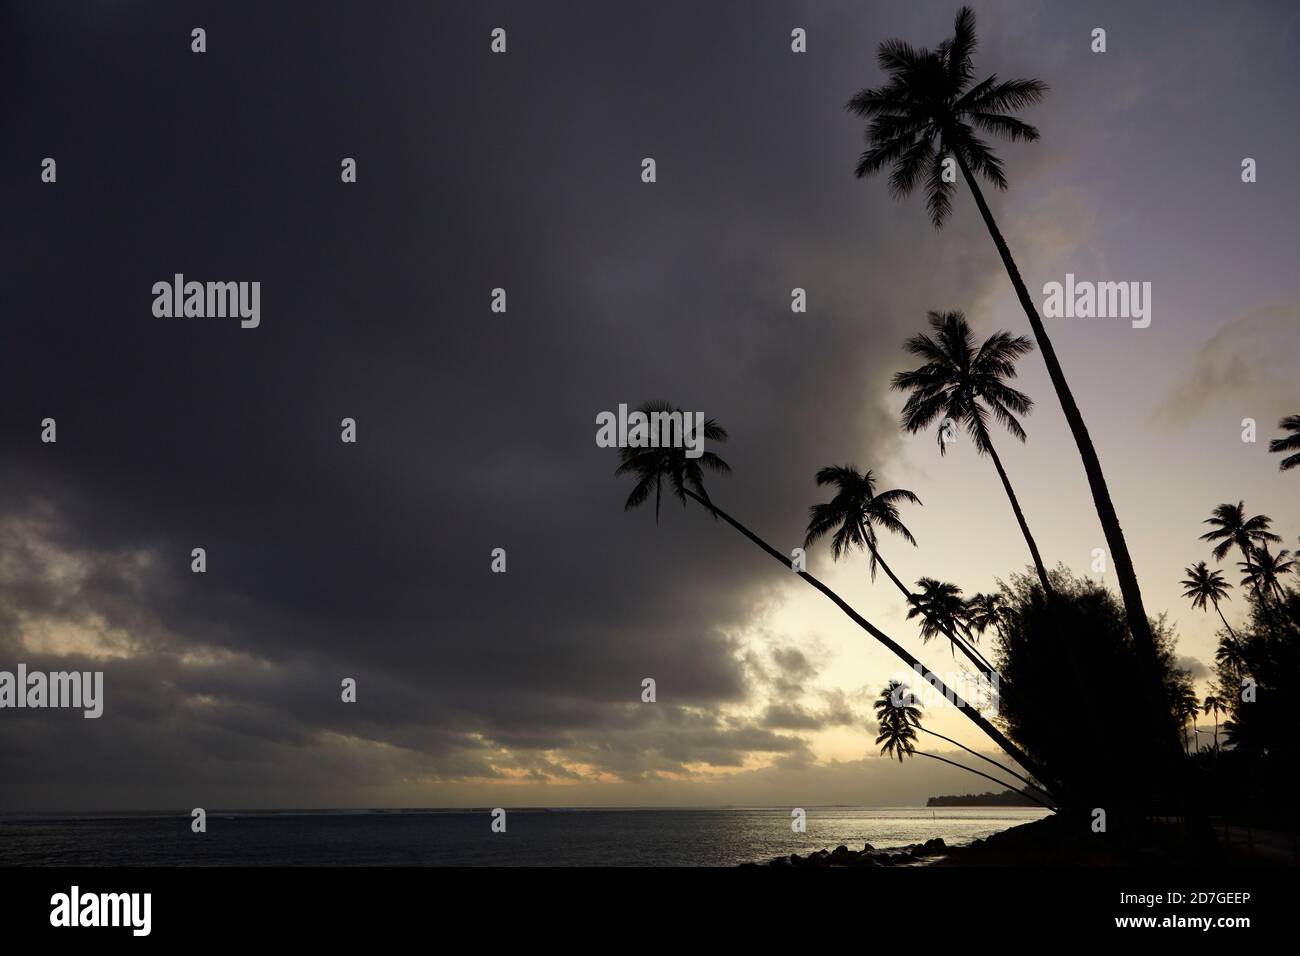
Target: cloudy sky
{"points": [[476, 430]]}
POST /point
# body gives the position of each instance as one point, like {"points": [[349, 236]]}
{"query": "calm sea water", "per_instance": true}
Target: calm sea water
{"points": [[544, 837]]}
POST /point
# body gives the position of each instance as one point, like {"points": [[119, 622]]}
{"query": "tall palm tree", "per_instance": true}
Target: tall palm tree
{"points": [[984, 611], [928, 111], [1216, 705], [898, 718], [966, 385], [685, 480], [1263, 571], [854, 513], [1204, 585], [1289, 444], [1233, 529], [941, 605]]}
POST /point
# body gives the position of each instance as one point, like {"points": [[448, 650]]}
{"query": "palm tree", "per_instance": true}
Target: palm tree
{"points": [[1263, 569], [963, 384], [854, 513], [1186, 708], [929, 111], [1232, 655], [1291, 443], [941, 606], [1233, 529], [1204, 585], [898, 717], [1216, 705], [685, 480], [984, 611]]}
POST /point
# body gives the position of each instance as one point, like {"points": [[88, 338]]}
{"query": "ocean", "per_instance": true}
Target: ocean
{"points": [[533, 837]]}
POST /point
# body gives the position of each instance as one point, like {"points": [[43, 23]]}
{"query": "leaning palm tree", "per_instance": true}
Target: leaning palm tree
{"points": [[984, 611], [966, 385], [1233, 529], [1204, 585], [854, 514], [898, 718], [1263, 571], [1289, 444], [940, 605], [1186, 707], [928, 112], [1215, 705], [684, 478]]}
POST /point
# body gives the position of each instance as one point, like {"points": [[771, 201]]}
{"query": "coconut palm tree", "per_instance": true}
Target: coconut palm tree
{"points": [[685, 480], [1214, 704], [1289, 444], [898, 718], [1186, 707], [1233, 529], [1263, 569], [1204, 585], [941, 606], [965, 385], [929, 111], [1231, 654], [854, 513], [984, 611]]}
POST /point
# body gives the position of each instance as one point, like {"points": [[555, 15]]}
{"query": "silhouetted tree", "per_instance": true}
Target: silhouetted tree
{"points": [[1290, 443], [1203, 585], [965, 385]]}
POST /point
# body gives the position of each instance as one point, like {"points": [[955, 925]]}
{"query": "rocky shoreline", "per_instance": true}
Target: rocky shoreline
{"points": [[916, 854]]}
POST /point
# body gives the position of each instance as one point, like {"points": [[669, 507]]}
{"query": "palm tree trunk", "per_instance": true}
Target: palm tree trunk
{"points": [[976, 753], [1000, 783], [1225, 621], [1020, 518], [978, 660], [1136, 614], [1014, 752]]}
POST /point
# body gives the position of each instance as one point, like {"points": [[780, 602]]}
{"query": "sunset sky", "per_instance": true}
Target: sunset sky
{"points": [[476, 430]]}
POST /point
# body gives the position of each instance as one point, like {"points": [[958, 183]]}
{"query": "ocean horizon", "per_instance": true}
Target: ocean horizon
{"points": [[540, 836]]}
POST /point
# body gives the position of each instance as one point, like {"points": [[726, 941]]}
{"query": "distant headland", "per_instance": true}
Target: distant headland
{"points": [[1007, 798]]}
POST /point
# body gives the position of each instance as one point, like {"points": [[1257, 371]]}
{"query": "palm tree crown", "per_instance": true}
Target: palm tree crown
{"points": [[1289, 444], [1203, 585], [941, 608], [898, 715], [930, 109], [963, 383], [653, 467], [1233, 529], [984, 611], [855, 511], [1263, 569]]}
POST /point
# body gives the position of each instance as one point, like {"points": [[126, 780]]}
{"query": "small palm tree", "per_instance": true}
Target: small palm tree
{"points": [[1204, 585], [966, 385], [854, 513], [984, 611], [1233, 529], [1289, 444], [1232, 655], [1214, 704], [929, 112], [898, 718], [655, 468], [1263, 571], [1186, 707], [941, 605]]}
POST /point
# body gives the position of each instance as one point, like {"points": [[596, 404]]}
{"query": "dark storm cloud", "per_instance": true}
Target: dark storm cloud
{"points": [[476, 430]]}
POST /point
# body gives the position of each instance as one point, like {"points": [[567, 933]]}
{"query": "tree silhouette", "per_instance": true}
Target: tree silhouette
{"points": [[853, 515], [1290, 443], [1203, 585], [930, 110], [963, 384]]}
